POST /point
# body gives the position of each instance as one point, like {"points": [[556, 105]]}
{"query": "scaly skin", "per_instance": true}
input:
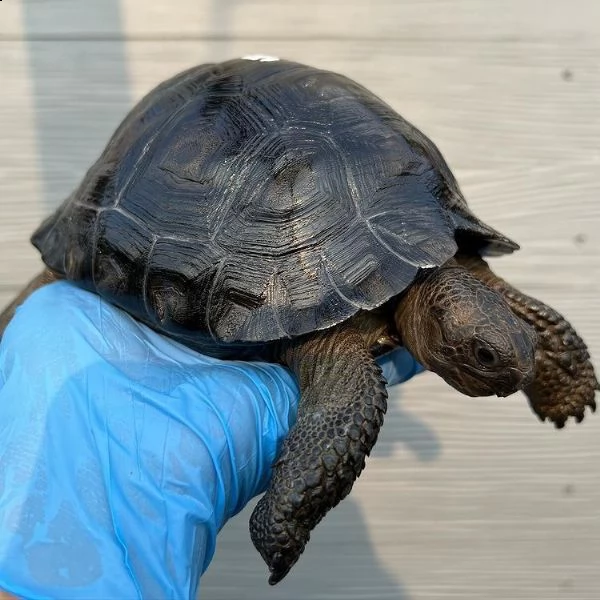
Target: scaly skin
{"points": [[341, 410], [564, 382]]}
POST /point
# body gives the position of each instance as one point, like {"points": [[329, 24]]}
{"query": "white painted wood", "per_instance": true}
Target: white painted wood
{"points": [[11, 19], [463, 498], [313, 19], [20, 185]]}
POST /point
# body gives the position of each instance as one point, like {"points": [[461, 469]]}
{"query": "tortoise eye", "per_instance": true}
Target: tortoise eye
{"points": [[485, 355]]}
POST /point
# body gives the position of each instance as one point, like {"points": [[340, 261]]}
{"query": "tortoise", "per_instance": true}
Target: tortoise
{"points": [[264, 209]]}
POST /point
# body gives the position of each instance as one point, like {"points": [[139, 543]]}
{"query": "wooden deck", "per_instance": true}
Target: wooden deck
{"points": [[463, 498]]}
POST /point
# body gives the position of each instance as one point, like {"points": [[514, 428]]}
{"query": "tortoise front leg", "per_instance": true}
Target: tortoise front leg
{"points": [[341, 410], [564, 382], [37, 282]]}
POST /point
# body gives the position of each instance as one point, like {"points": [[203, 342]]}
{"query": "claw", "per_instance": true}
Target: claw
{"points": [[561, 404], [279, 569]]}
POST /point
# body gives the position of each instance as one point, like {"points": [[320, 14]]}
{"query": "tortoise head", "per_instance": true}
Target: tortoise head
{"points": [[465, 332]]}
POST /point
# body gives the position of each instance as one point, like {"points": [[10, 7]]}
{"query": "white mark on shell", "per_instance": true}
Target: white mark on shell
{"points": [[260, 57]]}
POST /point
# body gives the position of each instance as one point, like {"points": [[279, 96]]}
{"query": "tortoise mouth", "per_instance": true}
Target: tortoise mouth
{"points": [[504, 382]]}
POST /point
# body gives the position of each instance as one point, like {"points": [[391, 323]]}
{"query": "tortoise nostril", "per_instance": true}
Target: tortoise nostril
{"points": [[486, 356]]}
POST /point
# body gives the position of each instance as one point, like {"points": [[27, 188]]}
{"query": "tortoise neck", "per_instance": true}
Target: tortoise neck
{"points": [[416, 314]]}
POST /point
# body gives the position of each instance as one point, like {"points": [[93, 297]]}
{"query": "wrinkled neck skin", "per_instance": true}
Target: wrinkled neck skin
{"points": [[459, 328], [417, 314]]}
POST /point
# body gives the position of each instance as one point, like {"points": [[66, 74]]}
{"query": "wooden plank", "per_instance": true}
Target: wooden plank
{"points": [[463, 498], [11, 19], [20, 185], [26, 19], [312, 19]]}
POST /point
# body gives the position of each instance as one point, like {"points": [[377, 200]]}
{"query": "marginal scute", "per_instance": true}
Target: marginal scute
{"points": [[179, 283], [122, 246]]}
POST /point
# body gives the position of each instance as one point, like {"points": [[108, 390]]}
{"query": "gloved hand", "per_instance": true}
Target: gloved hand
{"points": [[123, 453]]}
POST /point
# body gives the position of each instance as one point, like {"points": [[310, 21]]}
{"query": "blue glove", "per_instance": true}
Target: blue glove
{"points": [[123, 453]]}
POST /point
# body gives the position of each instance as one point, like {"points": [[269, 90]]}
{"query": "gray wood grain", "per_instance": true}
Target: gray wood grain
{"points": [[463, 498]]}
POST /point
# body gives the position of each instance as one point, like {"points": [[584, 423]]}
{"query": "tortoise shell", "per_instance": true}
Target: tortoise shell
{"points": [[256, 200]]}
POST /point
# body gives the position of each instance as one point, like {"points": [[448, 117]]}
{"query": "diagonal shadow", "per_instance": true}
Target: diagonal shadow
{"points": [[80, 87]]}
